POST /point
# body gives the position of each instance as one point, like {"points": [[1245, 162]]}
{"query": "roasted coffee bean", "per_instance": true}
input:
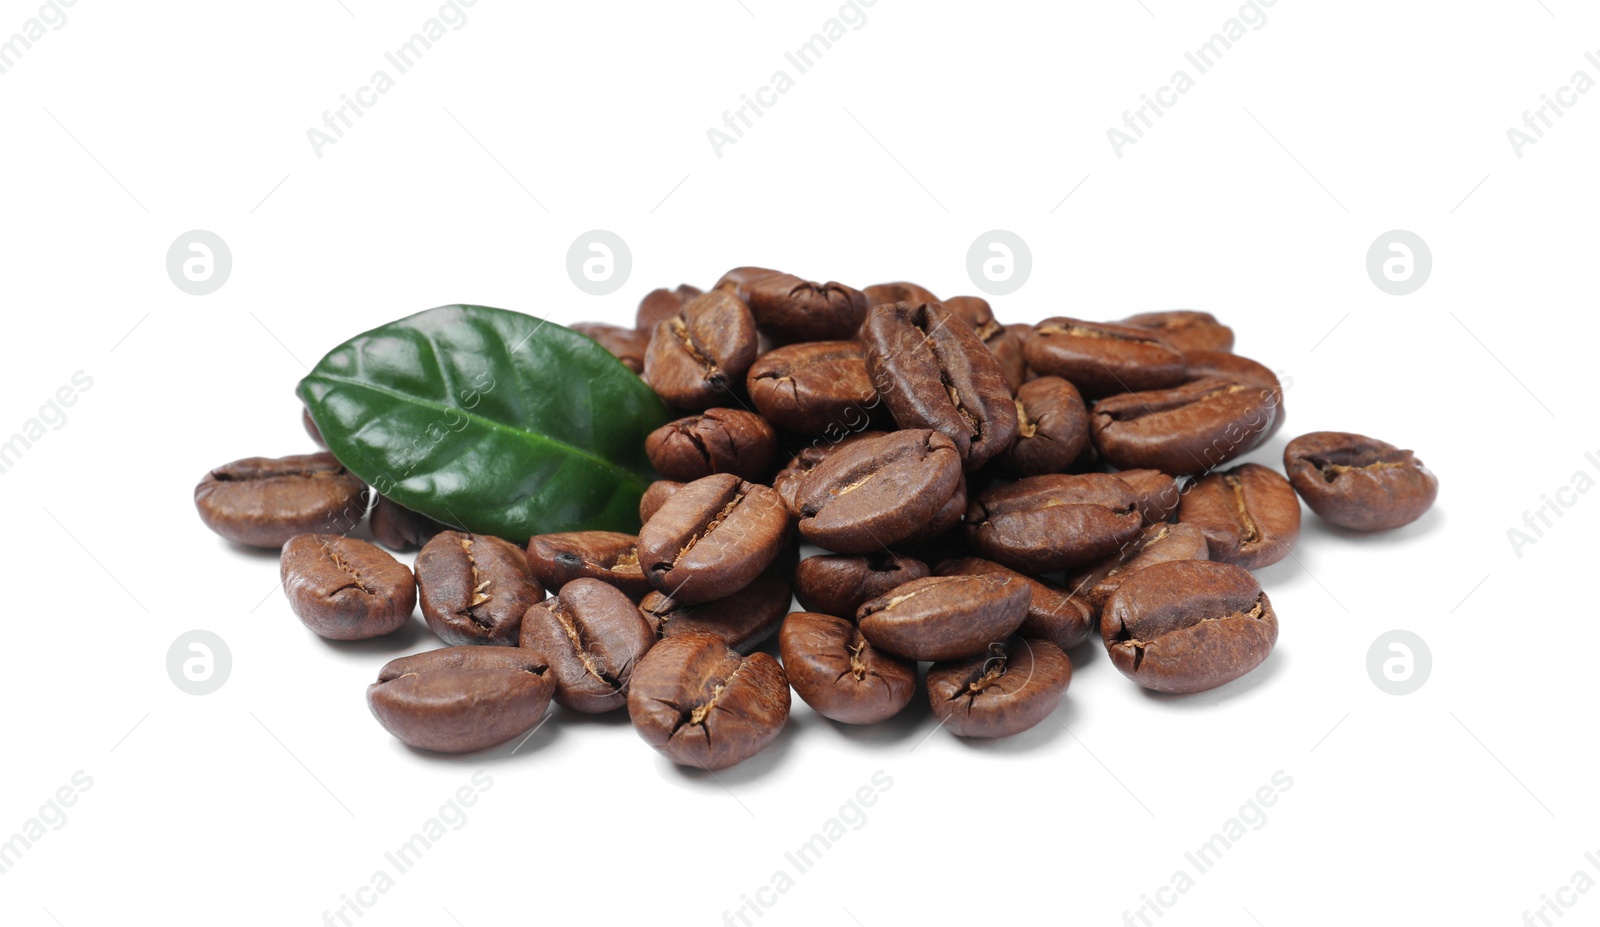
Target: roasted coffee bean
{"points": [[742, 621], [1052, 428], [1186, 429], [879, 491], [739, 280], [398, 528], [712, 538], [608, 556], [1203, 364], [898, 292], [839, 673], [311, 427], [1188, 625], [1054, 614], [345, 589], [661, 305], [815, 387], [701, 354], [1186, 329], [1006, 348], [1158, 543], [626, 344], [704, 705], [787, 481], [1249, 515], [944, 617], [654, 495], [461, 699], [788, 309], [1053, 522], [592, 636], [475, 588], [1358, 482], [263, 502], [837, 584], [1009, 349], [934, 374], [715, 441], [1157, 493], [1002, 692], [1104, 358]]}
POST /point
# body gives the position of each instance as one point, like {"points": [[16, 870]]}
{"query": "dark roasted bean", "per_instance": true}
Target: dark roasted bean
{"points": [[609, 556], [787, 480], [592, 636], [661, 305], [626, 344], [938, 375], [263, 502], [1104, 358], [345, 589], [1052, 428], [474, 588], [1157, 493], [1186, 329], [837, 584], [704, 705], [1358, 482], [701, 354], [1249, 515], [1054, 614], [815, 388], [1053, 522], [898, 292], [1001, 692], [1188, 625], [788, 309], [1204, 364], [461, 699], [654, 495], [839, 673], [879, 491], [1186, 429], [715, 441], [742, 620], [398, 528], [712, 538], [945, 617], [1158, 543]]}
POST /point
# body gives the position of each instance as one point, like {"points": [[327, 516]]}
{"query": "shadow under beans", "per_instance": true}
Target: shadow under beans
{"points": [[402, 639], [567, 718], [1244, 685]]}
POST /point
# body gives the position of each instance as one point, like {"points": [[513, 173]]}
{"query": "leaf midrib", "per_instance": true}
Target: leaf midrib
{"points": [[527, 437]]}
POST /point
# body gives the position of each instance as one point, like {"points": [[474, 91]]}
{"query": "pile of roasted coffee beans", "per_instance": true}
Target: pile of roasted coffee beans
{"points": [[985, 496]]}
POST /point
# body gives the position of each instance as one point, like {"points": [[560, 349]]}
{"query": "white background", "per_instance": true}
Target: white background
{"points": [[1255, 197]]}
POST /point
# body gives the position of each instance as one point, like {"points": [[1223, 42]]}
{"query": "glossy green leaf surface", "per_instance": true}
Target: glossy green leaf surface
{"points": [[489, 420]]}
